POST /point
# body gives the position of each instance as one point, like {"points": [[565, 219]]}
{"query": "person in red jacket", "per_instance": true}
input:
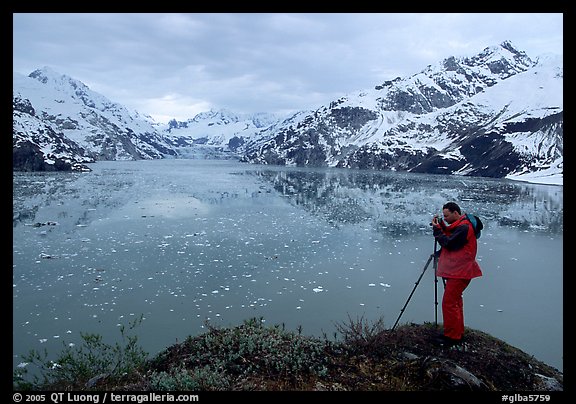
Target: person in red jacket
{"points": [[456, 265]]}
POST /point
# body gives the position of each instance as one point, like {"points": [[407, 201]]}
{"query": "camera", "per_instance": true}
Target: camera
{"points": [[438, 218]]}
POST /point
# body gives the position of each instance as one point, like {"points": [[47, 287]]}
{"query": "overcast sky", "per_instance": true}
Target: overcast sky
{"points": [[177, 65]]}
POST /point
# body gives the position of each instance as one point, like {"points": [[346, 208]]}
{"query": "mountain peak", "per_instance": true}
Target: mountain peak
{"points": [[482, 115], [505, 53], [479, 115], [58, 118], [46, 74], [507, 44], [67, 84]]}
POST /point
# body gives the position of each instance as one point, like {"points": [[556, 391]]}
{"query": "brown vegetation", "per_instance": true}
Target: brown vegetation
{"points": [[252, 357]]}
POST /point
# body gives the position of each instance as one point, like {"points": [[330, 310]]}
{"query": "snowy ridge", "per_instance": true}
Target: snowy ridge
{"points": [[496, 114], [99, 128], [222, 130]]}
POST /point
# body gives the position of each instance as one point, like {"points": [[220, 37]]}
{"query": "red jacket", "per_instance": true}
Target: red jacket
{"points": [[458, 254]]}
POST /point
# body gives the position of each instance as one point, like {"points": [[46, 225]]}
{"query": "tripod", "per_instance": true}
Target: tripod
{"points": [[435, 265]]}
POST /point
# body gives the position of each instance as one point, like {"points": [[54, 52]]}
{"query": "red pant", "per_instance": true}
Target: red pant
{"points": [[453, 307]]}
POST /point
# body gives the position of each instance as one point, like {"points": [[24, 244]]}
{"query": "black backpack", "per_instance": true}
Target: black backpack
{"points": [[476, 224]]}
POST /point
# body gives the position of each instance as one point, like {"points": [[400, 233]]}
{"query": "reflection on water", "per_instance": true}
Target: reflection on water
{"points": [[392, 200], [184, 241], [403, 203]]}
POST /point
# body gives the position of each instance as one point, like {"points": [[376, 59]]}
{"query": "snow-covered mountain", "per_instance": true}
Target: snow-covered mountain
{"points": [[216, 133], [60, 124], [496, 114]]}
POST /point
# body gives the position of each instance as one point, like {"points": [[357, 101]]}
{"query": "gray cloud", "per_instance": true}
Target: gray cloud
{"points": [[176, 65]]}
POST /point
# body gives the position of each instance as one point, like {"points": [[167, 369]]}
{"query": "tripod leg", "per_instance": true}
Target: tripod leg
{"points": [[413, 290]]}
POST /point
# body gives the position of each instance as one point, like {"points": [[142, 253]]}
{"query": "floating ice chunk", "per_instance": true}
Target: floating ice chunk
{"points": [[386, 285], [371, 284], [43, 340], [318, 289]]}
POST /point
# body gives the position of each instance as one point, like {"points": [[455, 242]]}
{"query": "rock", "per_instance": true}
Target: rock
{"points": [[547, 383], [449, 376]]}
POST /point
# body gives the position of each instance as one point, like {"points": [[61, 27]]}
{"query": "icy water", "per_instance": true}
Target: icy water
{"points": [[181, 242]]}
